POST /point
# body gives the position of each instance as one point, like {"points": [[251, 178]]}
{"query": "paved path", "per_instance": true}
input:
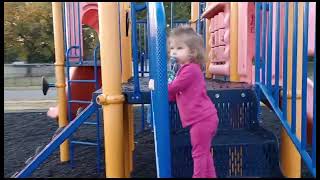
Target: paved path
{"points": [[28, 99]]}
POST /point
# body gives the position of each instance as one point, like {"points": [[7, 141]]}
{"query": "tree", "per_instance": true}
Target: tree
{"points": [[28, 31]]}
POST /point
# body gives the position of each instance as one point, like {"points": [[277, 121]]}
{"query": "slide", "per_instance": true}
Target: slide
{"points": [[79, 91], [82, 91]]}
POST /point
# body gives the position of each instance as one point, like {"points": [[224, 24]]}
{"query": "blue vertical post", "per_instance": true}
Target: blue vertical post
{"points": [[257, 53], [134, 44], [79, 34], [159, 96], [269, 61], [294, 68], [98, 109], [304, 77], [171, 15], [138, 47], [276, 92], [285, 62], [145, 47], [68, 102], [264, 27]]}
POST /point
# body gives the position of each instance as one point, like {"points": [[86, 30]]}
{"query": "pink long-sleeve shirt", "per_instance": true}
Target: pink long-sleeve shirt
{"points": [[188, 89]]}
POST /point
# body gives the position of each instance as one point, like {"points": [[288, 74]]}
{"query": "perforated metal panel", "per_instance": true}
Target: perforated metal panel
{"points": [[240, 148]]}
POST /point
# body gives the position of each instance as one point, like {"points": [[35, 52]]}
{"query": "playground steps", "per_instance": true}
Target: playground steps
{"points": [[237, 153], [241, 148], [85, 63]]}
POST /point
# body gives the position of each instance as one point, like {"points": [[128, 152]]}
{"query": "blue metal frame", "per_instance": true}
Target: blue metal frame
{"points": [[57, 141], [294, 69], [264, 28], [69, 101], [270, 93], [171, 15], [285, 61], [134, 45], [269, 62], [140, 7], [304, 78], [276, 89], [159, 96], [257, 49]]}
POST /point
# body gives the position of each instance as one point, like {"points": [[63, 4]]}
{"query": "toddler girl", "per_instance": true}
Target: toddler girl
{"points": [[188, 89]]}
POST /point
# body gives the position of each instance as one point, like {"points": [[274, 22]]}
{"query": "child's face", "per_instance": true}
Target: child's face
{"points": [[180, 51]]}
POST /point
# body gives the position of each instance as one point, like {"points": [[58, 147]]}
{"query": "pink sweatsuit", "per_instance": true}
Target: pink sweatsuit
{"points": [[196, 110]]}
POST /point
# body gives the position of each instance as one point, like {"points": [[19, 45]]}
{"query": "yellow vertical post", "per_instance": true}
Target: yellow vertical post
{"points": [[131, 135], [126, 75], [126, 140], [60, 76], [234, 76], [290, 159], [208, 48], [111, 98], [194, 14], [125, 41]]}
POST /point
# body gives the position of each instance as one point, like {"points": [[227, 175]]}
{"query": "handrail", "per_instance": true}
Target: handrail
{"points": [[297, 95], [96, 65], [68, 54]]}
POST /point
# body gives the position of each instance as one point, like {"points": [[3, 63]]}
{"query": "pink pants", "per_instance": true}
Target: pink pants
{"points": [[201, 135]]}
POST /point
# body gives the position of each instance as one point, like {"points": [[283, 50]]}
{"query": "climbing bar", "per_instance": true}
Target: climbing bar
{"points": [[285, 62], [84, 143], [79, 101], [82, 81], [304, 77], [294, 69], [269, 61], [264, 28], [90, 123], [277, 58], [257, 49]]}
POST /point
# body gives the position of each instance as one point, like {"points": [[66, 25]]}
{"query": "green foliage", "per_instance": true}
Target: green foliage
{"points": [[181, 11], [28, 30]]}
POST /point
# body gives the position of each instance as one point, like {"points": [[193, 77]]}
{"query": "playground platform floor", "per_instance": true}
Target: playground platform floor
{"points": [[25, 131]]}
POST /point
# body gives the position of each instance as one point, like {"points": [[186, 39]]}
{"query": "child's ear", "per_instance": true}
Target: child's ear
{"points": [[192, 52]]}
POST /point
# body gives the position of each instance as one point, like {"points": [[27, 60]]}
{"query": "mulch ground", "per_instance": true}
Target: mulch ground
{"points": [[24, 132]]}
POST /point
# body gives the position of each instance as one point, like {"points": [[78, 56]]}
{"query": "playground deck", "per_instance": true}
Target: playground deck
{"points": [[25, 131], [130, 94]]}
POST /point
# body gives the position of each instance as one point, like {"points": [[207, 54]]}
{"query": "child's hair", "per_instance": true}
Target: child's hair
{"points": [[188, 36]]}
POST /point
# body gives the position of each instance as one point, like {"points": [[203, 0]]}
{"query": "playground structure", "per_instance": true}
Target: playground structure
{"points": [[233, 39]]}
